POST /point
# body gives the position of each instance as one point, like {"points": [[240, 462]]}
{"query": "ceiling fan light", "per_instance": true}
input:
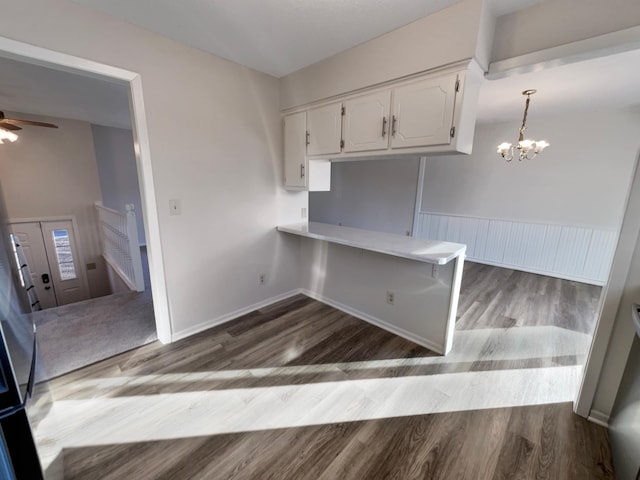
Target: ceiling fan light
{"points": [[7, 135]]}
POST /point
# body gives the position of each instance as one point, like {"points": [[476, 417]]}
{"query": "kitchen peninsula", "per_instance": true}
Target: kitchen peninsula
{"points": [[405, 285]]}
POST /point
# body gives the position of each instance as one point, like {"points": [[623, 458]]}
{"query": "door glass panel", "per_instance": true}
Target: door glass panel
{"points": [[63, 253]]}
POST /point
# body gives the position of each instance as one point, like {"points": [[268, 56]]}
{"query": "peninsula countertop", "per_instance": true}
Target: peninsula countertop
{"points": [[428, 251]]}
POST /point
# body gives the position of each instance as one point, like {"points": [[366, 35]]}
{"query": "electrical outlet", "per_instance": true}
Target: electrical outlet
{"points": [[303, 212], [262, 278], [391, 298]]}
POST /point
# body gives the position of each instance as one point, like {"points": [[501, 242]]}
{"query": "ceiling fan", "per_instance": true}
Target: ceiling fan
{"points": [[13, 123]]}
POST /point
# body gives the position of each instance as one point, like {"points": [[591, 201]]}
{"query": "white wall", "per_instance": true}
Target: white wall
{"points": [[215, 142], [582, 179], [460, 32], [371, 194], [53, 172], [117, 171], [357, 281]]}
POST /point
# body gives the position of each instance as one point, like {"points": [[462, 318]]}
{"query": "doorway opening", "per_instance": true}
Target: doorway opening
{"points": [[76, 66]]}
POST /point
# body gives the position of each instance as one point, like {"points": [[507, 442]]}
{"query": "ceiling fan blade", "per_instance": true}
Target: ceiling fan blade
{"points": [[8, 126], [28, 122]]}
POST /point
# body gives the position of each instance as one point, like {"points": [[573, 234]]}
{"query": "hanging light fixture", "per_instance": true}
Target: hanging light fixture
{"points": [[527, 149], [7, 135]]}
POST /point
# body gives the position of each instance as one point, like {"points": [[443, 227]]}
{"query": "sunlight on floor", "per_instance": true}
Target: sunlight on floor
{"points": [[485, 345], [94, 416], [96, 421]]}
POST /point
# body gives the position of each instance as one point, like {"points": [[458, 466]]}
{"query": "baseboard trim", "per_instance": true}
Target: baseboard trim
{"points": [[175, 336], [375, 321], [321, 298], [599, 418]]}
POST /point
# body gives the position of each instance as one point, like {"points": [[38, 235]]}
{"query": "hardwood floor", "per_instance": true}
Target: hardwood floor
{"points": [[299, 390]]}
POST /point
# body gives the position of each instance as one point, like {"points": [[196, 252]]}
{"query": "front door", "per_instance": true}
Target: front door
{"points": [[51, 252]]}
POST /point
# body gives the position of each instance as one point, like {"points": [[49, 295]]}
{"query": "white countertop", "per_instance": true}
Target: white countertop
{"points": [[429, 251]]}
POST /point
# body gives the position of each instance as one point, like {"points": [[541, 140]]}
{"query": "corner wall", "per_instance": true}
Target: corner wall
{"points": [[225, 165]]}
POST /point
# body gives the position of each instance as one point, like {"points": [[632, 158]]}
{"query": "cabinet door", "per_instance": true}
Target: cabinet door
{"points": [[324, 125], [295, 145], [366, 122], [422, 113]]}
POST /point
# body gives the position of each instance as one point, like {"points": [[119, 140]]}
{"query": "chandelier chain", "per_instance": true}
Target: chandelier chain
{"points": [[524, 119]]}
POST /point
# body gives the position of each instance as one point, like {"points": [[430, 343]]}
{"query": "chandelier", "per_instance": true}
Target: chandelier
{"points": [[527, 149]]}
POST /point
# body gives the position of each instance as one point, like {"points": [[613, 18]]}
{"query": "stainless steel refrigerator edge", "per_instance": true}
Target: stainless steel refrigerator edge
{"points": [[18, 454]]}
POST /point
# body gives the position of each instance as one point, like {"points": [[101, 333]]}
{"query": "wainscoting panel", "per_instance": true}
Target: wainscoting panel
{"points": [[563, 251]]}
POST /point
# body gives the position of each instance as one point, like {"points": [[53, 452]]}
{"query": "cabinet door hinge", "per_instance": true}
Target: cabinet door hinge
{"points": [[342, 111], [452, 132], [341, 144], [457, 85]]}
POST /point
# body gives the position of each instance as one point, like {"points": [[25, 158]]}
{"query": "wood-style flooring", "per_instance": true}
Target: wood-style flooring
{"points": [[299, 390]]}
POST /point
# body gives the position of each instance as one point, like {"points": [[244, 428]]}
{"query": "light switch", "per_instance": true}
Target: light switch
{"points": [[174, 207]]}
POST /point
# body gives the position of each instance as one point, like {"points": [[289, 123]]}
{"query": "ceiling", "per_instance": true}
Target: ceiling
{"points": [[605, 82], [38, 90], [278, 36], [599, 83]]}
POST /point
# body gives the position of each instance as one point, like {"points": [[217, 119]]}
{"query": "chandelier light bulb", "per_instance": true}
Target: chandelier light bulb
{"points": [[541, 145]]}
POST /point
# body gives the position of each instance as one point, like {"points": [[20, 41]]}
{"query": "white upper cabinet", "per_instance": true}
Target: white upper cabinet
{"points": [[366, 123], [324, 127], [427, 114], [295, 151], [422, 112], [300, 173]]}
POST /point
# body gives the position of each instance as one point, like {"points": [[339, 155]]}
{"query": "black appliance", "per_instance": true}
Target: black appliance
{"points": [[18, 454]]}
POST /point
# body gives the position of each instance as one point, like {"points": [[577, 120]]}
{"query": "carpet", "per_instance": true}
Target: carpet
{"points": [[79, 334]]}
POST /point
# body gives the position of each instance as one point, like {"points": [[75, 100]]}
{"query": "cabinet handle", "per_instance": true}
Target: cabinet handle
{"points": [[308, 138], [393, 126], [302, 170], [384, 126]]}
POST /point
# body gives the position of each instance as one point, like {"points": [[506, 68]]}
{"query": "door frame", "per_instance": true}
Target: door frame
{"points": [[610, 304], [27, 53], [76, 234]]}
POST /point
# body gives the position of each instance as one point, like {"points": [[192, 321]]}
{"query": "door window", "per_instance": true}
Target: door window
{"points": [[62, 246]]}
